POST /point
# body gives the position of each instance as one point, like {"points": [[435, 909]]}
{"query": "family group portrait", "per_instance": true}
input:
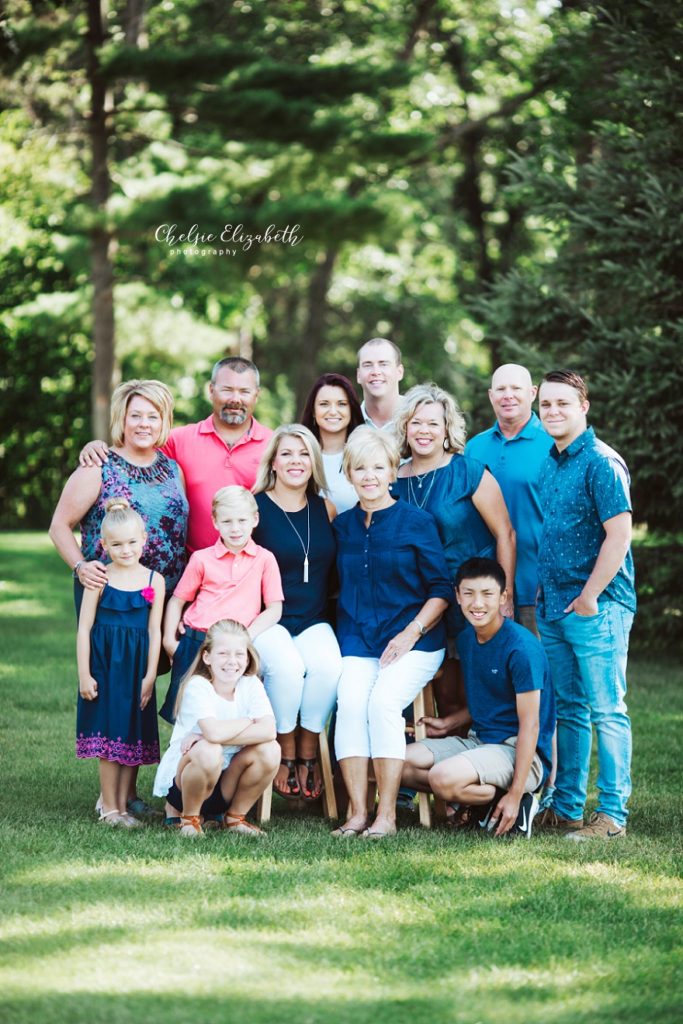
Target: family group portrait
{"points": [[340, 532]]}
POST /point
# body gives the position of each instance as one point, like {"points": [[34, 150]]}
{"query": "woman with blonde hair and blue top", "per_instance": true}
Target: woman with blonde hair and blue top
{"points": [[464, 499]]}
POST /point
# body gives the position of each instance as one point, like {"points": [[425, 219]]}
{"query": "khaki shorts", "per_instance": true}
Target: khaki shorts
{"points": [[494, 763]]}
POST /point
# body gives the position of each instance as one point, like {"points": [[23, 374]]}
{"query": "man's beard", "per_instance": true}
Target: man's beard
{"points": [[233, 416]]}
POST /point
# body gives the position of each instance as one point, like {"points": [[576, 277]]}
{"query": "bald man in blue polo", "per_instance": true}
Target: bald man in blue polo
{"points": [[514, 449]]}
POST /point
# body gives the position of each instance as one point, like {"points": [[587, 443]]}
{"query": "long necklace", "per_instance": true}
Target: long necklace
{"points": [[413, 497], [307, 546]]}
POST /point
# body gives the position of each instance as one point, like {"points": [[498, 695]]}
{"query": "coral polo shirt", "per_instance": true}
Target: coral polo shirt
{"points": [[209, 464], [223, 584]]}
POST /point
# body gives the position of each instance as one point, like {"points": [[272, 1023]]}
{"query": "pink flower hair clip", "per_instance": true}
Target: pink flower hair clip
{"points": [[148, 594]]}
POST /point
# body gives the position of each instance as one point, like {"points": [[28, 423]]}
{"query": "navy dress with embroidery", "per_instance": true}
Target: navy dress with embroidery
{"points": [[113, 726]]}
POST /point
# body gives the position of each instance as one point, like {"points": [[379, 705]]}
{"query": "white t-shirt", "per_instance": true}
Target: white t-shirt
{"points": [[200, 701], [341, 493]]}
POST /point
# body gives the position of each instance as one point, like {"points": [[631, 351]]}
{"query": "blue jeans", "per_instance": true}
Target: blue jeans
{"points": [[188, 649], [587, 656]]}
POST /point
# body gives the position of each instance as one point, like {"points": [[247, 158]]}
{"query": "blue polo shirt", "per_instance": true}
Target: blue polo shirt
{"points": [[511, 662], [516, 463], [581, 488], [387, 571]]}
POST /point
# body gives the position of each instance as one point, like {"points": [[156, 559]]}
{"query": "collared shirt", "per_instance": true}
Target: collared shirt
{"points": [[371, 423], [516, 463], [581, 488], [209, 464], [387, 571], [225, 585]]}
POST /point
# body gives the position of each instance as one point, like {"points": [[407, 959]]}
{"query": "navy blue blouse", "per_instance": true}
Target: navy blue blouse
{"points": [[387, 571], [305, 603]]}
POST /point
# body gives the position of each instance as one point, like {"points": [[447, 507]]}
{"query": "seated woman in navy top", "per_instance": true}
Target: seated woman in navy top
{"points": [[394, 589], [300, 656]]}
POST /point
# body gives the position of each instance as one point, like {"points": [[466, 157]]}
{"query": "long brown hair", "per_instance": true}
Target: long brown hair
{"points": [[332, 380]]}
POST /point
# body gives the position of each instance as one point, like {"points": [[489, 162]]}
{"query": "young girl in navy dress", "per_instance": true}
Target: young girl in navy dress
{"points": [[119, 638]]}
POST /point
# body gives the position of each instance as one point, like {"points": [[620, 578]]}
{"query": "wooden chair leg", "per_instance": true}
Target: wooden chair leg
{"points": [[419, 711], [430, 710], [264, 804], [329, 798]]}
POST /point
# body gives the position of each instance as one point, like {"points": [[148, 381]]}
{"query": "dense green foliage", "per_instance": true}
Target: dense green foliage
{"points": [[105, 927], [605, 187], [477, 182]]}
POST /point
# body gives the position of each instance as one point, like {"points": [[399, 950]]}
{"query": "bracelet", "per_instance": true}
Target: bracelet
{"points": [[420, 627], [76, 567]]}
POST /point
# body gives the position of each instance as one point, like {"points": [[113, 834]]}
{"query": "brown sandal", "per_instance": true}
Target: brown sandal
{"points": [[238, 824], [190, 826], [293, 790], [461, 819]]}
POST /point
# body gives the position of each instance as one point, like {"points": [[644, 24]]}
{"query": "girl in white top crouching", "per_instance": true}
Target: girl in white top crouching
{"points": [[223, 753]]}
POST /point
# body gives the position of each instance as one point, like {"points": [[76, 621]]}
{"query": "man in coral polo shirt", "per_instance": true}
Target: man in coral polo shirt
{"points": [[223, 449]]}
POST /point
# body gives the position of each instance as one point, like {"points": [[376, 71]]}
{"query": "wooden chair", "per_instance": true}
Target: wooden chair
{"points": [[329, 800], [264, 805], [422, 705]]}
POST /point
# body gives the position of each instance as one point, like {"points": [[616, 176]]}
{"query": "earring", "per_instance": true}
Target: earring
{"points": [[445, 444]]}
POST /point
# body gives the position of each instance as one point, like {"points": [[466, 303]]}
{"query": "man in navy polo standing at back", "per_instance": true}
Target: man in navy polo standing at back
{"points": [[586, 605]]}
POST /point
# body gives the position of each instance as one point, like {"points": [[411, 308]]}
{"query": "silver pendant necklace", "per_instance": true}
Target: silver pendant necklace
{"points": [[413, 497], [307, 546]]}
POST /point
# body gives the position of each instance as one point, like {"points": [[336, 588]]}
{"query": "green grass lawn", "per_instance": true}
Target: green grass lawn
{"points": [[102, 925]]}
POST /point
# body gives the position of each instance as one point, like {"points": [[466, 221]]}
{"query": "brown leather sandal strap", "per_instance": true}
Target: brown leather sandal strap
{"points": [[192, 819]]}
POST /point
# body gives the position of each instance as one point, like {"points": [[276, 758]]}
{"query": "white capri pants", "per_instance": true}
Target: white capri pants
{"points": [[300, 674], [371, 701]]}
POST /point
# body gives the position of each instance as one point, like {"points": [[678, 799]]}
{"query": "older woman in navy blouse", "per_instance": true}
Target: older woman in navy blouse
{"points": [[394, 590]]}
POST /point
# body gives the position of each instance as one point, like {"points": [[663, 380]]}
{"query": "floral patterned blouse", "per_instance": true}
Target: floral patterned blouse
{"points": [[156, 493]]}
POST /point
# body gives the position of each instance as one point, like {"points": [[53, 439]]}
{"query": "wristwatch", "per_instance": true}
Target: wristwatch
{"points": [[420, 627], [76, 567]]}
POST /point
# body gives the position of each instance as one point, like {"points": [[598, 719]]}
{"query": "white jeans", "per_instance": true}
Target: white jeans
{"points": [[371, 702], [300, 674]]}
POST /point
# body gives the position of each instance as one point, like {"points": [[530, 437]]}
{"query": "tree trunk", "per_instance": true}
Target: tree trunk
{"points": [[101, 270], [132, 21], [313, 336]]}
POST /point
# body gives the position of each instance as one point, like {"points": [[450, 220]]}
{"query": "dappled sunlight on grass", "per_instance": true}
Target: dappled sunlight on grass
{"points": [[27, 609], [103, 926]]}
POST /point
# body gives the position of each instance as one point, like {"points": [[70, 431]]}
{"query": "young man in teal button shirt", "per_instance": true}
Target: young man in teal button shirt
{"points": [[585, 611], [515, 449]]}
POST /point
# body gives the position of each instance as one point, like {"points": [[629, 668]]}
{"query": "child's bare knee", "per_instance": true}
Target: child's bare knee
{"points": [[208, 756], [269, 754]]}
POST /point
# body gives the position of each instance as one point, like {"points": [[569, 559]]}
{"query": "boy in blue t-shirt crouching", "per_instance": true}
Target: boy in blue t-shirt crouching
{"points": [[489, 778]]}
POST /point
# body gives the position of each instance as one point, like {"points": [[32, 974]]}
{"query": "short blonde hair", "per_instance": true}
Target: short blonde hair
{"points": [[265, 480], [428, 394], [155, 392], [233, 497], [365, 443], [118, 512]]}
